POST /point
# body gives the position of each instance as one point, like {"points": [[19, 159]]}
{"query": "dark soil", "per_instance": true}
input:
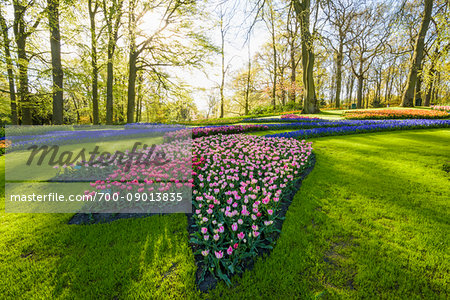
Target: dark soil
{"points": [[96, 218]]}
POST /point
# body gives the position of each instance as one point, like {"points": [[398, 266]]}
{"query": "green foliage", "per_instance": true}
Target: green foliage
{"points": [[268, 109]]}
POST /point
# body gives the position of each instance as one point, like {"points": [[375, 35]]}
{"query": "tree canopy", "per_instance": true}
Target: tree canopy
{"points": [[109, 62]]}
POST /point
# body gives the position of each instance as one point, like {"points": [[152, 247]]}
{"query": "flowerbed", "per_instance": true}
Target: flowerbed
{"points": [[3, 145], [231, 129], [381, 126], [239, 185], [242, 186], [321, 123], [293, 116], [441, 107], [396, 114], [139, 174], [212, 130], [285, 120]]}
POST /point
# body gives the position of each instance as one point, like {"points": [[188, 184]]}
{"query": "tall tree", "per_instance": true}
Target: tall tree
{"points": [[270, 22], [154, 49], [57, 71], [432, 74], [140, 95], [23, 30], [93, 9], [249, 74], [133, 55], [350, 88], [9, 67], [211, 105], [340, 15], [224, 27], [408, 96], [310, 103], [368, 38], [418, 87], [292, 33], [113, 16]]}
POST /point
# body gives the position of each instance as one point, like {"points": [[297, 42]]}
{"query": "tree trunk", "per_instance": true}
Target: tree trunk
{"points": [[339, 59], [94, 64], [139, 99], [418, 90], [292, 30], [386, 87], [359, 95], [332, 90], [390, 89], [377, 100], [76, 108], [366, 95], [109, 87], [131, 87], [310, 103], [283, 88], [247, 90], [23, 61], [408, 96], [293, 73], [429, 94], [112, 17], [274, 50], [9, 66], [435, 56], [57, 71], [222, 56], [435, 97], [222, 83], [132, 70], [352, 82]]}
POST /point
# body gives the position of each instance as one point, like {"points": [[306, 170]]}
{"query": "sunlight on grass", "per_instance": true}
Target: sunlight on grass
{"points": [[370, 221]]}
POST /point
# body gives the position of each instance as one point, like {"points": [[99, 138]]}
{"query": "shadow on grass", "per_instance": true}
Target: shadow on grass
{"points": [[358, 228], [370, 221], [402, 250], [123, 259]]}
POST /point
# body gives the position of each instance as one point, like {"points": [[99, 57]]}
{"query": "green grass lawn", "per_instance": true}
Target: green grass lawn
{"points": [[370, 221]]}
